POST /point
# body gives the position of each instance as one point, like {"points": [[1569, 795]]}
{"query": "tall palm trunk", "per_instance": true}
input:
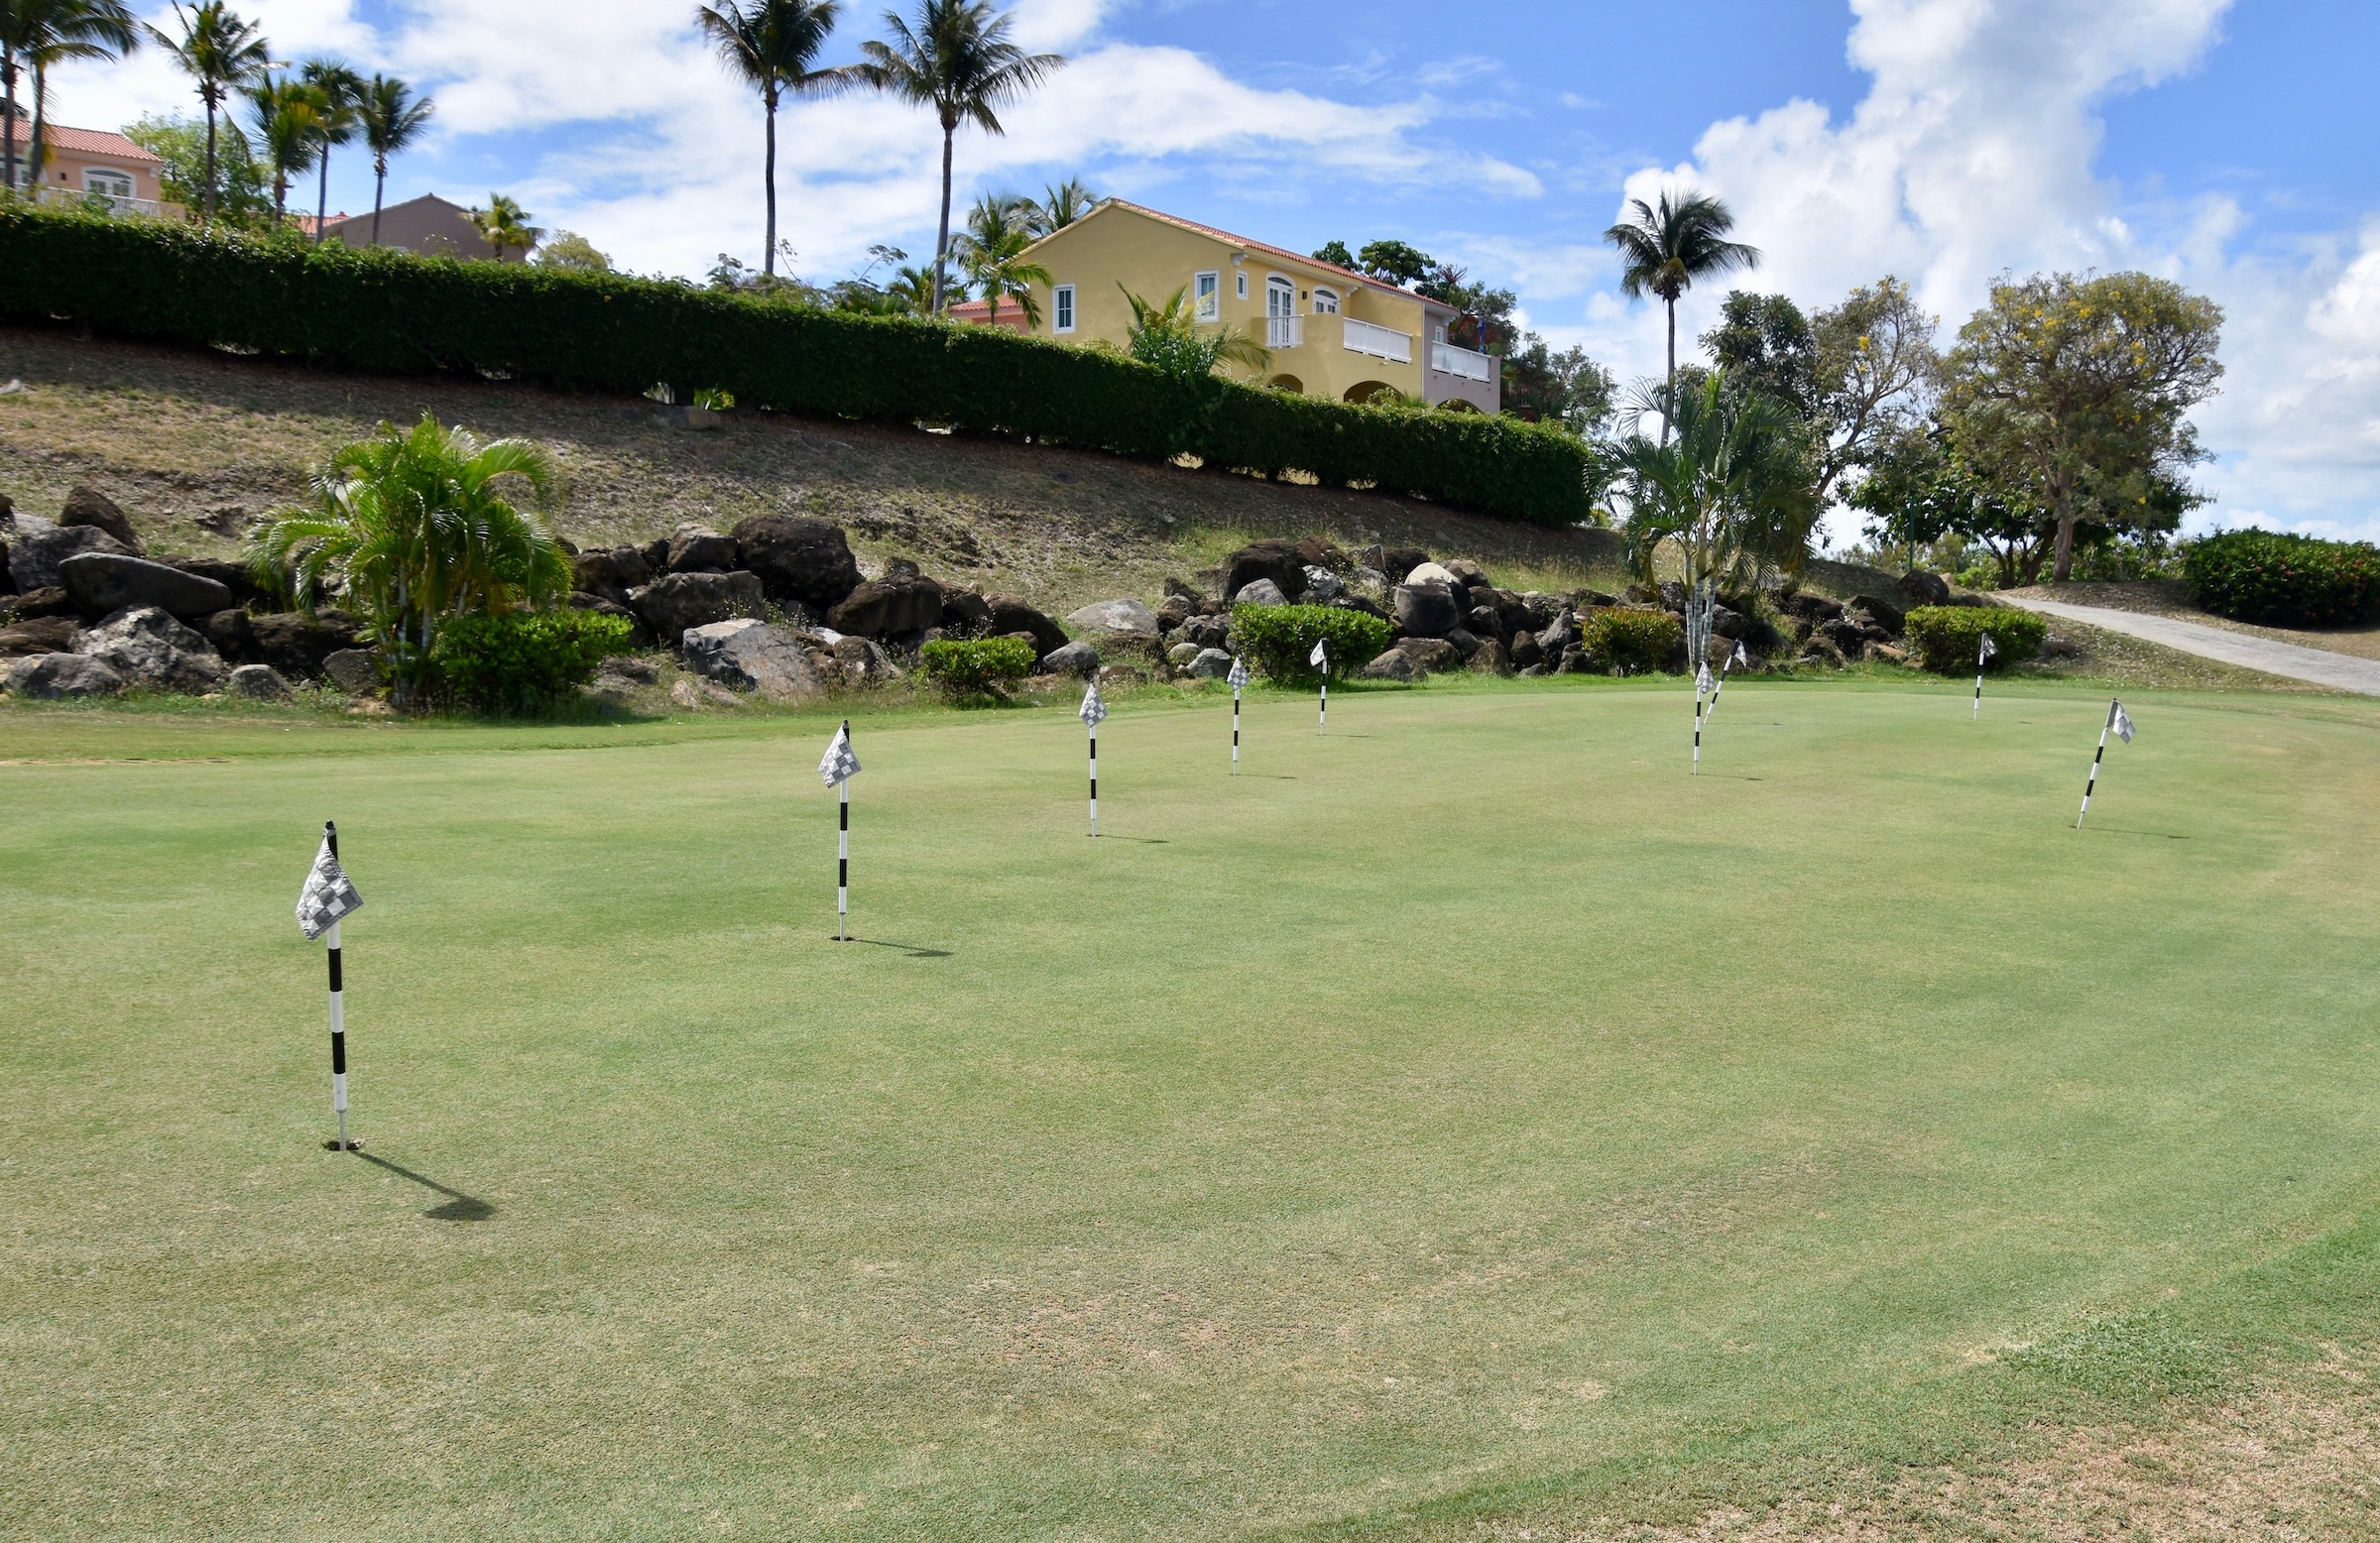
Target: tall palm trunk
{"points": [[322, 196], [210, 157], [380, 186], [41, 124], [8, 116], [769, 255], [1669, 392], [942, 238]]}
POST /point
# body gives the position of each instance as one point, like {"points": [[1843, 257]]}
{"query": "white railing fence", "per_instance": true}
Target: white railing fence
{"points": [[1446, 358], [1285, 331], [1365, 337]]}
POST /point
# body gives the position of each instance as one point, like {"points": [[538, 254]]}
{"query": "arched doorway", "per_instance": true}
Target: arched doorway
{"points": [[1288, 382], [1364, 391]]}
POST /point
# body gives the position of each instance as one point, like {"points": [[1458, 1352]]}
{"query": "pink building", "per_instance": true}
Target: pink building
{"points": [[90, 164]]}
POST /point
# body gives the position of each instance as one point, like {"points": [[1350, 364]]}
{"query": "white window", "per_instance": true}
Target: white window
{"points": [[107, 183], [1326, 302], [1438, 334], [1061, 307], [1243, 286], [1207, 287]]}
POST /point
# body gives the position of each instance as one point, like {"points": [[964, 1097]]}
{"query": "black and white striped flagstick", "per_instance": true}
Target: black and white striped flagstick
{"points": [[837, 768], [1321, 658], [1702, 683], [1984, 651], [1734, 660], [338, 1006], [1238, 678], [1092, 712], [326, 898], [2120, 725]]}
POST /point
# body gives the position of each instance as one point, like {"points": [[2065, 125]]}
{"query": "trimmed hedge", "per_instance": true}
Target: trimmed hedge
{"points": [[1632, 641], [2285, 580], [1947, 637], [1279, 640], [390, 311], [522, 661], [977, 667]]}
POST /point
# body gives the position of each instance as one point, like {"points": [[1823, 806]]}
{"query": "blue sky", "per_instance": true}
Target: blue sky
{"points": [[2222, 143]]}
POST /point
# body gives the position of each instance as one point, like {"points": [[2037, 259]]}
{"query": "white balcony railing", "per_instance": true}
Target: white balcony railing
{"points": [[1446, 358], [1285, 331], [1365, 337], [96, 202]]}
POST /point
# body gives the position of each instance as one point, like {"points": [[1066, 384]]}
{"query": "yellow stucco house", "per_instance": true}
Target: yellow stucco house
{"points": [[1332, 333]]}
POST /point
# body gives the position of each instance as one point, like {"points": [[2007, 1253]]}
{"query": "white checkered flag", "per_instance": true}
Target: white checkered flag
{"points": [[2119, 723], [1983, 655], [1702, 688], [1320, 659], [1239, 679], [327, 898], [836, 769], [1092, 712]]}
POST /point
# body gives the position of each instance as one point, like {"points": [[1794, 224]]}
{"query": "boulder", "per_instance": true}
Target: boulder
{"points": [[1367, 606], [1398, 561], [41, 635], [1279, 561], [863, 662], [1211, 664], [636, 671], [40, 547], [233, 636], [1526, 651], [1467, 573], [1259, 592], [1075, 659], [260, 682], [1809, 607], [1559, 634], [1115, 619], [1369, 583], [1180, 655], [94, 510], [1921, 588], [1432, 573], [964, 608], [8, 583], [611, 572], [1177, 610], [1491, 660], [1396, 664], [1884, 653], [1485, 622], [53, 600], [237, 577], [1430, 653], [46, 677], [1322, 585], [674, 602], [805, 561], [697, 548], [105, 582], [603, 604], [1006, 614], [896, 604], [1316, 553], [147, 647], [1844, 632], [751, 655], [1208, 631], [1426, 610], [1888, 615], [353, 670], [1463, 643], [297, 644]]}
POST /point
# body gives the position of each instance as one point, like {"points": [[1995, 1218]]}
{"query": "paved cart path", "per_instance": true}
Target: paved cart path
{"points": [[2342, 671]]}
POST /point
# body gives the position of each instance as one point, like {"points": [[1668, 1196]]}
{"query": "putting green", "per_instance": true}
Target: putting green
{"points": [[1463, 1110]]}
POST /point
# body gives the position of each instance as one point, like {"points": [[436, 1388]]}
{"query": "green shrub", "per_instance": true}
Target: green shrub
{"points": [[387, 312], [521, 661], [2285, 580], [1630, 641], [977, 667], [1947, 637], [1279, 640]]}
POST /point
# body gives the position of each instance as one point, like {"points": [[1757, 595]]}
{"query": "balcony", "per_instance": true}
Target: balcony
{"points": [[1285, 331], [1446, 358], [1365, 337], [92, 202]]}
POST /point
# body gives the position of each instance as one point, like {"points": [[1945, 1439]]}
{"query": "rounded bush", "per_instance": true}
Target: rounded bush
{"points": [[1949, 638], [1279, 640], [2284, 580], [1630, 641], [523, 661], [980, 666]]}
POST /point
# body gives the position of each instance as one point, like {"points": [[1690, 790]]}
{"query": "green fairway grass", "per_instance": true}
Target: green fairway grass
{"points": [[1465, 1115]]}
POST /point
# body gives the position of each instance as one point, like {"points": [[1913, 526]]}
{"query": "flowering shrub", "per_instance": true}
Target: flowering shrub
{"points": [[2285, 580]]}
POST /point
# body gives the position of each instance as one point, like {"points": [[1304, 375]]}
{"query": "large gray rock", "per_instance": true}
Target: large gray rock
{"points": [[609, 571], [93, 508], [49, 677], [1181, 653], [1559, 634], [1888, 615], [1279, 561], [1430, 655], [1208, 631], [1396, 664], [1211, 664], [677, 601], [697, 548], [352, 670], [1259, 592], [751, 655], [1924, 589], [807, 562], [1322, 585], [1076, 658], [147, 647], [1427, 610], [1116, 619], [260, 681], [1433, 573], [863, 662], [40, 547], [102, 583], [899, 603], [291, 642]]}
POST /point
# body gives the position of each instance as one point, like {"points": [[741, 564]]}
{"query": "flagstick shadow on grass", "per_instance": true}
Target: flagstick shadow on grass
{"points": [[460, 1207], [1146, 841], [911, 949]]}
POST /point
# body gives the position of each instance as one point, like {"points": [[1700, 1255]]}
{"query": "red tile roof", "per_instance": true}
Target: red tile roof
{"points": [[1225, 236], [1012, 314], [82, 142]]}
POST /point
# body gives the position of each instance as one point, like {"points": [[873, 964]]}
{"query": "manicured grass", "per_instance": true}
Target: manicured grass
{"points": [[1463, 1115]]}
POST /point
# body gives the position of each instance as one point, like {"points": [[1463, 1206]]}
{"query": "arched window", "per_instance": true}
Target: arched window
{"points": [[1326, 302]]}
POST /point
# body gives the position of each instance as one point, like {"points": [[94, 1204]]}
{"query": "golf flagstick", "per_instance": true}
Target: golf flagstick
{"points": [[1238, 678], [327, 896], [836, 769], [2121, 723], [1092, 712], [1981, 655], [1321, 660], [1702, 683], [1734, 660]]}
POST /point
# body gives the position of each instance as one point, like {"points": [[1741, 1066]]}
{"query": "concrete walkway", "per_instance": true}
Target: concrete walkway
{"points": [[2341, 672]]}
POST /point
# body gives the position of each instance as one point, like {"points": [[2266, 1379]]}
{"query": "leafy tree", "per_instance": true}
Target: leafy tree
{"points": [[341, 91], [1395, 262], [1061, 205], [991, 252], [773, 45], [419, 524], [957, 58], [289, 116], [1334, 253], [1765, 342], [505, 225], [1664, 250], [2073, 395], [1164, 335], [39, 34], [1566, 388], [223, 54], [572, 253], [392, 118], [1729, 481], [180, 143]]}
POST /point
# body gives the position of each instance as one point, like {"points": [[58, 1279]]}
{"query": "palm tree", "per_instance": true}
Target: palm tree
{"points": [[990, 250], [43, 33], [505, 225], [290, 117], [220, 51], [342, 98], [1664, 250], [911, 289], [774, 45], [1062, 205], [393, 118], [956, 57], [417, 524], [1165, 336]]}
